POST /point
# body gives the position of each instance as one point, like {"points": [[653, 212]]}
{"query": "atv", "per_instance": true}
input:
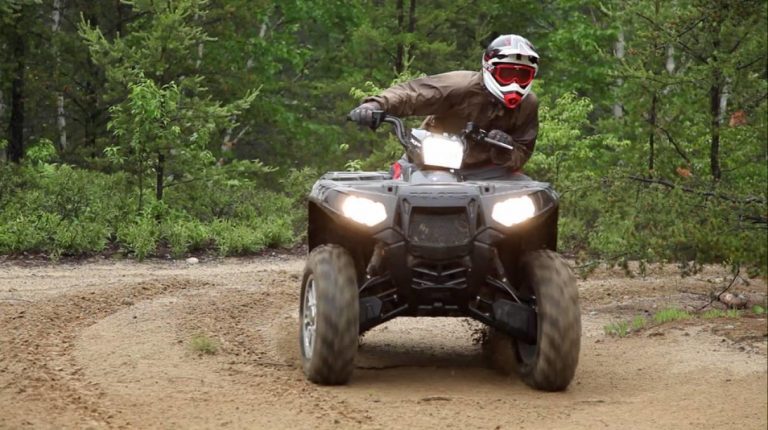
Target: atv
{"points": [[439, 240]]}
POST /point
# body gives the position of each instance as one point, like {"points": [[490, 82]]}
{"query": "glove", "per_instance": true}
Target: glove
{"points": [[500, 155], [363, 115], [514, 159]]}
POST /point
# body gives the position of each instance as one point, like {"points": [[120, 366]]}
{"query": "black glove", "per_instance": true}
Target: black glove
{"points": [[501, 155], [364, 115]]}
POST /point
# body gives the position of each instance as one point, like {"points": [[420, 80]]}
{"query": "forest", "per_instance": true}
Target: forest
{"points": [[167, 128]]}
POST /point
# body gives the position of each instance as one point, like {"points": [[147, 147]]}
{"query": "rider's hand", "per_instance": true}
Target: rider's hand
{"points": [[364, 115], [500, 136], [514, 159]]}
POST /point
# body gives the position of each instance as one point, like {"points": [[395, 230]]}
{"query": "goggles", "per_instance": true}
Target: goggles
{"points": [[508, 74]]}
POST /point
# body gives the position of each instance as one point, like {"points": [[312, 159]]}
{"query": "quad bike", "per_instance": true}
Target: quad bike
{"points": [[438, 242]]}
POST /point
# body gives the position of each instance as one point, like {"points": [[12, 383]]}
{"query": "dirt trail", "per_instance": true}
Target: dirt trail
{"points": [[107, 345]]}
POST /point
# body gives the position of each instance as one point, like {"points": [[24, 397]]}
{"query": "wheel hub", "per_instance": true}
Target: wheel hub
{"points": [[309, 318]]}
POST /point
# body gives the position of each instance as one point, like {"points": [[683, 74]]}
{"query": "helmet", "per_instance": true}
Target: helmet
{"points": [[509, 66]]}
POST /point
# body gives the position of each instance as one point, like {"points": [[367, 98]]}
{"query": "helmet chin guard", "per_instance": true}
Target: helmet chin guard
{"points": [[510, 50], [511, 100]]}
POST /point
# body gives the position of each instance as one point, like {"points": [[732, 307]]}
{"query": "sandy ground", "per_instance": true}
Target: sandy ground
{"points": [[104, 344]]}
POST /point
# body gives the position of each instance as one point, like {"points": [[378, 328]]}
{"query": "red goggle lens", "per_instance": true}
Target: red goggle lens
{"points": [[507, 74]]}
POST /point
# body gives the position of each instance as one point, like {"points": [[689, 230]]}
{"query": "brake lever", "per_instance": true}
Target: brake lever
{"points": [[497, 143]]}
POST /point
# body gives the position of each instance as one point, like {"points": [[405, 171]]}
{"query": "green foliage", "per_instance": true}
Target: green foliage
{"points": [[619, 329], [235, 239], [714, 313], [728, 313], [203, 344], [162, 94], [42, 152], [624, 328], [669, 315], [58, 209], [185, 235], [638, 323], [139, 236]]}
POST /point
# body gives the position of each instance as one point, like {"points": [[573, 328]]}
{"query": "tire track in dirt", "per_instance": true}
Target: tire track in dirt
{"points": [[119, 357], [37, 366]]}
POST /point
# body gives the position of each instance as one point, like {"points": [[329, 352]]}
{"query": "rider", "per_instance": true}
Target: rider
{"points": [[498, 99]]}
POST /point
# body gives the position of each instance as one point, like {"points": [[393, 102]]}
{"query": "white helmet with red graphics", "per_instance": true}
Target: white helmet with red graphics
{"points": [[509, 65]]}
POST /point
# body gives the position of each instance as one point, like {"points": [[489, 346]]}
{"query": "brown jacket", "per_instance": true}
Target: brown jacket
{"points": [[452, 99]]}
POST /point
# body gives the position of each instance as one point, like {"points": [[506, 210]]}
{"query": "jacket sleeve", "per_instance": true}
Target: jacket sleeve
{"points": [[431, 95]]}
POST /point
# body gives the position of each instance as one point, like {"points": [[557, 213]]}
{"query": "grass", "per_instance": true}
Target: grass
{"points": [[203, 344], [639, 323], [718, 313], [713, 313], [671, 314], [624, 328], [618, 328]]}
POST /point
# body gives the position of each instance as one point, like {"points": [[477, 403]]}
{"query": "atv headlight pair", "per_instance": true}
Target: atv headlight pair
{"points": [[513, 211], [364, 211]]}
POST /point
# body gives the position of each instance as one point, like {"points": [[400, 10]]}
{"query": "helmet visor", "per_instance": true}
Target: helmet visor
{"points": [[508, 74]]}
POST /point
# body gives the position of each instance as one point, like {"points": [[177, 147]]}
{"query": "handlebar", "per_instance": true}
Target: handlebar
{"points": [[471, 132]]}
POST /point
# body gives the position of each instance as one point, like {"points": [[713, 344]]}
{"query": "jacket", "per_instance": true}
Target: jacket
{"points": [[451, 100]]}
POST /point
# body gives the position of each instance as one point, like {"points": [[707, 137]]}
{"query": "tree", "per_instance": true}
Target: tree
{"points": [[722, 56], [17, 17], [166, 115]]}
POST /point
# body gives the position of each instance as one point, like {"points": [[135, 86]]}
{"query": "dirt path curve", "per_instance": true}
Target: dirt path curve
{"points": [[107, 345]]}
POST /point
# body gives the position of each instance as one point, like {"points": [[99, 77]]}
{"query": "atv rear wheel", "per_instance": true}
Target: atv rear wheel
{"points": [[329, 315]]}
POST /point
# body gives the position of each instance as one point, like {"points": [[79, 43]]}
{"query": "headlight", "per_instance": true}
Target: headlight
{"points": [[513, 211], [364, 211], [441, 152]]}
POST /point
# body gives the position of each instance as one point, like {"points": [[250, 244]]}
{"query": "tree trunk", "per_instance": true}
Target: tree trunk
{"points": [[61, 118], [652, 119], [715, 94], [715, 105], [141, 183], [119, 10], [160, 170], [200, 47], [3, 155], [400, 48], [670, 65], [618, 109], [16, 126], [411, 29]]}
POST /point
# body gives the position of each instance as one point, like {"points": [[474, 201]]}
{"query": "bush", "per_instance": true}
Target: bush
{"points": [[139, 236], [185, 235], [235, 239], [62, 210], [58, 210]]}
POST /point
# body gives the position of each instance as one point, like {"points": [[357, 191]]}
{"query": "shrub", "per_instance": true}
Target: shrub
{"points": [[139, 236], [185, 235], [235, 239]]}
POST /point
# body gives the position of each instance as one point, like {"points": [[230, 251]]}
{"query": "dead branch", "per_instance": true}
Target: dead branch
{"points": [[717, 297], [671, 185]]}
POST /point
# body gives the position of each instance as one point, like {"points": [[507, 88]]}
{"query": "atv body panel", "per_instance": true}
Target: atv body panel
{"points": [[439, 252]]}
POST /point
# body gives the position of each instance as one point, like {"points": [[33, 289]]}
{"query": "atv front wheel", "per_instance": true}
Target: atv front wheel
{"points": [[551, 362], [329, 315]]}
